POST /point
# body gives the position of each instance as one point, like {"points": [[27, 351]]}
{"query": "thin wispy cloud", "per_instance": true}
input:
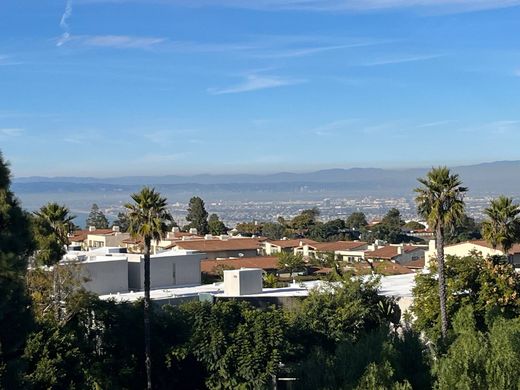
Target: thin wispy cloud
{"points": [[123, 41], [113, 41], [334, 127], [404, 59], [256, 82], [10, 133], [306, 51], [65, 36], [450, 6]]}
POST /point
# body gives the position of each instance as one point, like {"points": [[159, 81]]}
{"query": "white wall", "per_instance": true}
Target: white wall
{"points": [[106, 274], [243, 281], [162, 266]]}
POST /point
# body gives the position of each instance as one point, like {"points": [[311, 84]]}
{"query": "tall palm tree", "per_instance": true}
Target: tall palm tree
{"points": [[57, 220], [440, 200], [53, 223], [148, 216], [502, 226]]}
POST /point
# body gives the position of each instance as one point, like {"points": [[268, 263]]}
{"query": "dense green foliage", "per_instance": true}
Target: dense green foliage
{"points": [[51, 225], [216, 226], [487, 285], [122, 221], [481, 360], [16, 245], [274, 230], [502, 226], [356, 220], [97, 218], [197, 216], [290, 262], [389, 229]]}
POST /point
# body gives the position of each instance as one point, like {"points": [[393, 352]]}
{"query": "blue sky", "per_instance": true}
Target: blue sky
{"points": [[103, 88]]}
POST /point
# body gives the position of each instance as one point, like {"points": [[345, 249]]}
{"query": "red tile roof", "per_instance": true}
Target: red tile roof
{"points": [[415, 264], [264, 262], [485, 244], [81, 235], [389, 252], [337, 246], [385, 267], [293, 243], [217, 245]]}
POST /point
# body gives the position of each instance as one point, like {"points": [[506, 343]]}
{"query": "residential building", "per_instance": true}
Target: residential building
{"points": [[220, 248], [480, 246], [401, 253], [271, 247], [344, 250]]}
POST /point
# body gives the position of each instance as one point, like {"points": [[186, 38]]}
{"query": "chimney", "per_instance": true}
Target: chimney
{"points": [[175, 229], [400, 250], [115, 228], [91, 228], [208, 237], [193, 231]]}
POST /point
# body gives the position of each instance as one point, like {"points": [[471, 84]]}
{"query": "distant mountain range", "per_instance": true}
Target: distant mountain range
{"points": [[486, 178]]}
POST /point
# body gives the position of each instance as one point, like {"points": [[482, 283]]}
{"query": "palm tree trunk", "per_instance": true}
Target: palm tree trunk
{"points": [[147, 314], [442, 280]]}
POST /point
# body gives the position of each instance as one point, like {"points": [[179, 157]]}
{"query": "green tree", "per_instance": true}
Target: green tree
{"points": [[16, 244], [290, 262], [464, 230], [122, 221], [440, 201], [414, 225], [481, 360], [216, 226], [148, 216], [97, 218], [197, 215], [52, 224], [249, 228], [489, 287], [307, 218], [502, 226], [240, 347], [356, 220], [274, 230], [393, 218]]}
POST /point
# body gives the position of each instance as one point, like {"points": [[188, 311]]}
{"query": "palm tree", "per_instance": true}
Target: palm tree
{"points": [[148, 216], [440, 200], [502, 227], [57, 220], [53, 223]]}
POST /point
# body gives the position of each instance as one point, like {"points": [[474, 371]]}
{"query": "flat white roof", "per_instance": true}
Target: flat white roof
{"points": [[397, 286]]}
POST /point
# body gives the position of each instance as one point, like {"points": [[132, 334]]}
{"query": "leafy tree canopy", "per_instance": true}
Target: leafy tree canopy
{"points": [[197, 215], [97, 218], [486, 284], [16, 244], [356, 220], [216, 226]]}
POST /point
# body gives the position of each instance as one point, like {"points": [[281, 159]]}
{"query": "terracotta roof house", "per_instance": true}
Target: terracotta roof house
{"points": [[97, 238], [220, 248], [267, 263], [401, 254], [270, 247], [481, 246], [346, 250]]}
